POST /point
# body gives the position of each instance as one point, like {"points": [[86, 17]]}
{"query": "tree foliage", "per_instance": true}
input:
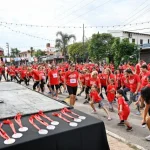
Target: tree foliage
{"points": [[100, 46], [77, 50], [63, 40], [123, 50], [14, 52], [39, 53]]}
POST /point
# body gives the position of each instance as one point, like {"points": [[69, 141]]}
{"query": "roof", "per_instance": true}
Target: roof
{"points": [[136, 33]]}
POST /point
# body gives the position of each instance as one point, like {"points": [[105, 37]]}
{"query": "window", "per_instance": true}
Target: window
{"points": [[141, 41], [148, 41], [133, 40]]}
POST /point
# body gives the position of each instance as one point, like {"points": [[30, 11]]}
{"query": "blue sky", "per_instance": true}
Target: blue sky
{"points": [[66, 13]]}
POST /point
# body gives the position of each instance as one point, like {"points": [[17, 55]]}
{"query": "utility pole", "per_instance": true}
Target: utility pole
{"points": [[83, 37], [7, 46]]}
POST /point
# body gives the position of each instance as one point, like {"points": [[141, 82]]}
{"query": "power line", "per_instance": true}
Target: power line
{"points": [[134, 10], [76, 10], [90, 11], [26, 34], [136, 14]]}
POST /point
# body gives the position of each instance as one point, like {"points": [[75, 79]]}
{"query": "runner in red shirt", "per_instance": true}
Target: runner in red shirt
{"points": [[71, 80], [123, 110], [82, 82], [87, 77], [111, 90], [134, 81], [54, 80], [95, 98]]}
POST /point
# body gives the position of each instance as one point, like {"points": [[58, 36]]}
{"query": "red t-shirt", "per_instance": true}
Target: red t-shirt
{"points": [[125, 82], [53, 77], [144, 80], [36, 75], [87, 79], [111, 94], [125, 106], [95, 96], [148, 85], [72, 78], [133, 81], [137, 67], [95, 81], [1, 69], [82, 79], [23, 74], [102, 78], [108, 77]]}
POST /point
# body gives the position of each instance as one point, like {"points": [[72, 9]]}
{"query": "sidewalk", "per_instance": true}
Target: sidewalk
{"points": [[117, 145]]}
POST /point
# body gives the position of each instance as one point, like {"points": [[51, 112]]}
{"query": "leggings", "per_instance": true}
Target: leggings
{"points": [[13, 77], [25, 80], [42, 85], [36, 83]]}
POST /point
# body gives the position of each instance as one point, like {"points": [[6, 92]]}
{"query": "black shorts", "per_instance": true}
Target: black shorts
{"points": [[87, 89], [72, 90], [55, 87]]}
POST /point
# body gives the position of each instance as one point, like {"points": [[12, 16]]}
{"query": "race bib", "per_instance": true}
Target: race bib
{"points": [[73, 80], [55, 75]]}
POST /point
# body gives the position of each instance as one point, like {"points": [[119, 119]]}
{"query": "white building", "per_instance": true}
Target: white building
{"points": [[134, 37]]}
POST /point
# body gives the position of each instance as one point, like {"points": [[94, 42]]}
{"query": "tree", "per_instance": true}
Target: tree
{"points": [[31, 51], [39, 53], [77, 50], [14, 52], [63, 41], [123, 50], [100, 46]]}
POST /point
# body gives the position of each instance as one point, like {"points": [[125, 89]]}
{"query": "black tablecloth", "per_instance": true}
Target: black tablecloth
{"points": [[88, 135]]}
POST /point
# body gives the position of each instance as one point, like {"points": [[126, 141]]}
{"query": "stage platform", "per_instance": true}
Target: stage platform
{"points": [[18, 98]]}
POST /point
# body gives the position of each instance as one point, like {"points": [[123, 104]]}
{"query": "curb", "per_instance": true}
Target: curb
{"points": [[132, 145]]}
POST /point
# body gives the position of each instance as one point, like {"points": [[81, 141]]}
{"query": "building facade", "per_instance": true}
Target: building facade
{"points": [[1, 52], [134, 37]]}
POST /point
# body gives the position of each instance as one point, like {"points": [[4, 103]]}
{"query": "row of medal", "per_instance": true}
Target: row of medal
{"points": [[64, 112]]}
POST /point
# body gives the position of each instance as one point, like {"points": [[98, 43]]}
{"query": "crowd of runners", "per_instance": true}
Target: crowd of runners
{"points": [[97, 81]]}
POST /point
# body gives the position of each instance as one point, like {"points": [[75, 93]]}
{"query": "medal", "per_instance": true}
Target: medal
{"points": [[73, 124], [49, 127], [40, 131], [10, 123], [18, 121], [80, 117], [55, 123], [75, 119], [4, 135]]}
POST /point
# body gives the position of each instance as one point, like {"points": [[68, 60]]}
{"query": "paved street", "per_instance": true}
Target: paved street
{"points": [[137, 136]]}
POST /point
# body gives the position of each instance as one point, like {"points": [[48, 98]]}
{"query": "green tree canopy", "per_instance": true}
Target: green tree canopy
{"points": [[39, 53], [14, 52], [78, 50], [123, 50], [100, 46]]}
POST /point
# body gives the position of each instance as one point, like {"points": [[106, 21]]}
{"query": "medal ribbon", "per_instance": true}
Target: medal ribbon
{"points": [[3, 134], [18, 120], [60, 116], [31, 121], [38, 118], [67, 110], [44, 116], [64, 113], [10, 123]]}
